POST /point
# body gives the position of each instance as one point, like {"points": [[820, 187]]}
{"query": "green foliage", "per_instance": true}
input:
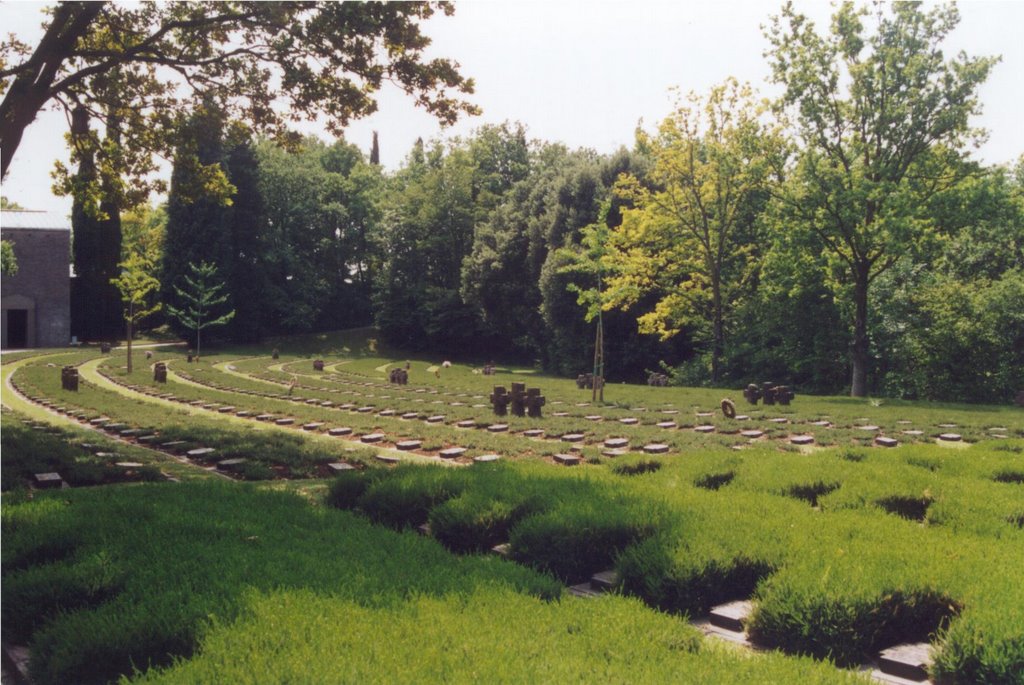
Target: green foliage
{"points": [[202, 298], [8, 260]]}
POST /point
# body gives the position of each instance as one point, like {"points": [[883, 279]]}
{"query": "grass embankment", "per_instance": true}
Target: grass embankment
{"points": [[223, 582], [842, 579]]}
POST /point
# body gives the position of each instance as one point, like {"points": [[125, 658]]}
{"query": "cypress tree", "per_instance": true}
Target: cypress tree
{"points": [[375, 151]]}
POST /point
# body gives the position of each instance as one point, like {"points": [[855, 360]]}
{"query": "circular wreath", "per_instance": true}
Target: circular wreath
{"points": [[729, 409]]}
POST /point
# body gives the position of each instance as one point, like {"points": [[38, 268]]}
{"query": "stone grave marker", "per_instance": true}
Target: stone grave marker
{"points": [[778, 420], [870, 428], [486, 458], [226, 410], [909, 661], [883, 441], [408, 444], [534, 403], [498, 427], [387, 412], [822, 424], [802, 439], [752, 434], [339, 431], [573, 437], [365, 410], [244, 413], [666, 424], [437, 418], [200, 452], [613, 452], [286, 421], [312, 426], [560, 414], [229, 464], [318, 364], [913, 432], [752, 394], [950, 437], [129, 464], [705, 429], [732, 615], [616, 443], [629, 421], [567, 459], [409, 415], [47, 481], [339, 466], [655, 448], [452, 452], [534, 433], [517, 399], [372, 437], [69, 378], [387, 458], [500, 400], [593, 417], [466, 423]]}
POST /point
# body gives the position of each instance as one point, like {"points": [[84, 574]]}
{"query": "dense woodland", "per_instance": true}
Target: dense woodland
{"points": [[839, 239]]}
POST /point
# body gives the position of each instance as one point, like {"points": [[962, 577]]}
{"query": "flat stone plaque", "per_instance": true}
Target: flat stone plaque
{"points": [[883, 441], [498, 427], [656, 448], [583, 404], [365, 410], [534, 433], [341, 430], [904, 422], [629, 421], [372, 437], [567, 459], [908, 661], [114, 427], [226, 410], [605, 580], [173, 444], [867, 428], [742, 417], [731, 616], [947, 425], [452, 452], [201, 452], [951, 437], [408, 444], [410, 415], [327, 403], [339, 466], [46, 481], [132, 432], [701, 414], [486, 458], [388, 458], [347, 405], [264, 417], [666, 424], [752, 433], [230, 463], [613, 452], [802, 439], [822, 424], [616, 443], [312, 426], [438, 418], [387, 412], [778, 420], [560, 413], [285, 421], [913, 432], [243, 413], [593, 417], [129, 464], [573, 437], [704, 429], [467, 423]]}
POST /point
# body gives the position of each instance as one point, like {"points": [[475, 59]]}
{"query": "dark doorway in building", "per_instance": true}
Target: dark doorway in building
{"points": [[17, 328]]}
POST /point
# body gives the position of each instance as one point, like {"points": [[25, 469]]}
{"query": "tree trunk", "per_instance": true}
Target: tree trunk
{"points": [[30, 90], [131, 315], [718, 331], [859, 384]]}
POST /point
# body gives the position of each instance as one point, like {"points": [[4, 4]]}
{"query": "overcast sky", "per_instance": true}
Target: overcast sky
{"points": [[585, 73]]}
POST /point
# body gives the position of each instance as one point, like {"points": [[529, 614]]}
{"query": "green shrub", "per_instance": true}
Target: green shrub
{"points": [[473, 523], [405, 499]]}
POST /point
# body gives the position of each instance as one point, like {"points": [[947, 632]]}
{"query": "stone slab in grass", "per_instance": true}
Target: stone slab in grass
{"points": [[437, 418], [502, 550], [286, 421], [211, 405], [146, 439], [883, 441], [226, 410], [605, 580], [365, 410], [132, 432], [454, 404], [339, 466], [573, 437], [406, 445], [534, 433], [264, 417], [340, 430], [197, 403], [498, 428], [372, 437], [387, 458], [228, 464], [629, 421], [243, 414], [779, 419], [870, 428], [612, 453], [732, 615], [742, 417], [616, 443], [822, 424], [560, 414], [129, 464], [704, 429], [752, 434], [913, 432], [327, 403], [802, 439], [100, 421], [909, 661], [312, 400], [567, 459], [670, 411], [583, 591], [656, 448], [467, 423], [347, 405], [114, 427], [666, 424], [201, 452], [486, 458], [947, 425], [387, 412], [950, 437], [904, 422], [704, 414], [174, 445], [312, 426], [46, 481], [593, 417], [410, 415]]}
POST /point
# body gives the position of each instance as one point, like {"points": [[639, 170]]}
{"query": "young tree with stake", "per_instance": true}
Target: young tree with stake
{"points": [[202, 296], [135, 284]]}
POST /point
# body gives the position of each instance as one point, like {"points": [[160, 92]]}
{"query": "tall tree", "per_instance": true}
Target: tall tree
{"points": [[683, 239], [881, 116], [322, 58]]}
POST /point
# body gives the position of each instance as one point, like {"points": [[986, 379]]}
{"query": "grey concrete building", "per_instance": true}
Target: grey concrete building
{"points": [[36, 301]]}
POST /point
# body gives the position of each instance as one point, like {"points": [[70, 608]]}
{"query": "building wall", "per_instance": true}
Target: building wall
{"points": [[42, 285]]}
